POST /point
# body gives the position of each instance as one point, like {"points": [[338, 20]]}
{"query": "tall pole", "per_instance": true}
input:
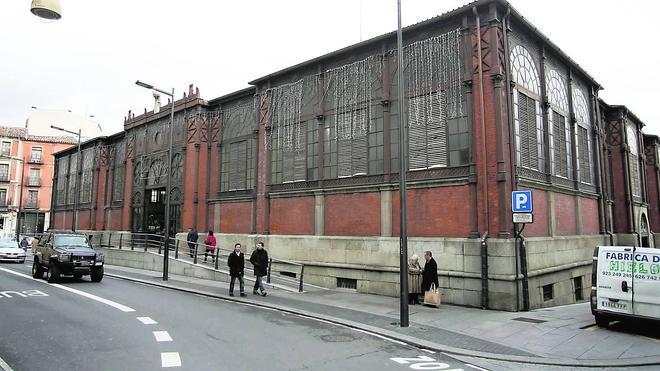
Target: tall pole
{"points": [[20, 197], [77, 191], [403, 155], [167, 195]]}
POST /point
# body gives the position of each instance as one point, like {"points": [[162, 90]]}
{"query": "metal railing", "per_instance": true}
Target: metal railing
{"points": [[194, 250]]}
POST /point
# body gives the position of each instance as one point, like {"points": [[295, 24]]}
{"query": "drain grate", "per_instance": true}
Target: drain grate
{"points": [[530, 320]]}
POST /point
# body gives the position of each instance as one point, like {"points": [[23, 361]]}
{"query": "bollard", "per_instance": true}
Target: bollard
{"points": [[145, 243], [195, 257], [217, 255], [176, 250], [270, 262], [121, 235], [109, 239], [302, 270]]}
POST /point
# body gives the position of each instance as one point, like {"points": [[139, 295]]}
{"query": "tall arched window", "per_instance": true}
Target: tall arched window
{"points": [[527, 110], [583, 138], [633, 160], [560, 131]]}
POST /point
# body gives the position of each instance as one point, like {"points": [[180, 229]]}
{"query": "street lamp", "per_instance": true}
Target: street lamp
{"points": [[46, 9], [74, 225], [168, 187], [403, 229]]}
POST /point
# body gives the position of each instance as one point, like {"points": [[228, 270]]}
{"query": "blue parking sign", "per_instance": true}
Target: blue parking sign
{"points": [[521, 201]]}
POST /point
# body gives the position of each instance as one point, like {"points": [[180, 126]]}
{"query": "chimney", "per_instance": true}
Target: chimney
{"points": [[156, 102]]}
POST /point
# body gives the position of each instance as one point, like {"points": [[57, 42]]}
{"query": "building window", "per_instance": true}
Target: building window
{"points": [[548, 292], [633, 160], [73, 179], [32, 201], [562, 161], [3, 197], [118, 173], [577, 283], [36, 154], [346, 283], [530, 146], [583, 143], [238, 147], [5, 149], [34, 178], [427, 132], [86, 181], [62, 176], [4, 172]]}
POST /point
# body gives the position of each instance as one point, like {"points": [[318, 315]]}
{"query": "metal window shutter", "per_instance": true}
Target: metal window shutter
{"points": [[359, 156], [634, 174], [299, 165], [559, 141], [344, 157], [417, 157], [237, 165], [436, 131], [525, 121], [583, 153]]}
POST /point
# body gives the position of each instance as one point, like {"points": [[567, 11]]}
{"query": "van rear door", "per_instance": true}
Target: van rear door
{"points": [[615, 285], [646, 283]]}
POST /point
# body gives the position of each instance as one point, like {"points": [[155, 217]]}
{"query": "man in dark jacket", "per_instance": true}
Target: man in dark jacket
{"points": [[236, 263], [192, 240], [430, 272], [259, 260]]}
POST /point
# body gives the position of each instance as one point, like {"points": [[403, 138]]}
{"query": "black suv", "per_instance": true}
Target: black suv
{"points": [[66, 253]]}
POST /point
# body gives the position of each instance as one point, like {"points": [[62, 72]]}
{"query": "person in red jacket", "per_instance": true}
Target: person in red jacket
{"points": [[210, 243]]}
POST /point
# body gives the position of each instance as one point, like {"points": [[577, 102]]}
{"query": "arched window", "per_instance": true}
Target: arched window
{"points": [[560, 131], [633, 159], [583, 137], [530, 145]]}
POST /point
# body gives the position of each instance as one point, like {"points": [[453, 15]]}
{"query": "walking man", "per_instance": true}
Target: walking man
{"points": [[259, 260], [192, 240], [430, 272], [236, 263], [25, 243]]}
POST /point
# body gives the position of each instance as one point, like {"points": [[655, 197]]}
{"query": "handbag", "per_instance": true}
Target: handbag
{"points": [[432, 297]]}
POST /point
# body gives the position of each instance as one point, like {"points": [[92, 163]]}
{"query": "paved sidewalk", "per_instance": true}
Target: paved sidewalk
{"points": [[565, 336]]}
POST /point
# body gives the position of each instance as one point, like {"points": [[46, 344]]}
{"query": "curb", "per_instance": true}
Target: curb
{"points": [[409, 340]]}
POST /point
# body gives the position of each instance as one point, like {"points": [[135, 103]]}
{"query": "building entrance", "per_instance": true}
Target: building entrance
{"points": [[155, 210]]}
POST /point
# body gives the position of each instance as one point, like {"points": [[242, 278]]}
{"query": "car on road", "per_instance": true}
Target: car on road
{"points": [[10, 251], [66, 253]]}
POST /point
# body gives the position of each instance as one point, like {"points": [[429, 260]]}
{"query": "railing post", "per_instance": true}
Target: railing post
{"points": [[109, 239], [161, 245], [176, 250], [146, 246], [217, 255], [302, 270], [195, 257], [270, 262], [121, 236]]}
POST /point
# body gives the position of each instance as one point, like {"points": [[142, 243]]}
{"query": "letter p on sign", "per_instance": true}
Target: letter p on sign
{"points": [[521, 201]]}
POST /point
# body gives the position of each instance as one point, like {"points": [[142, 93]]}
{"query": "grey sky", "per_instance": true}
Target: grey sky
{"points": [[89, 60]]}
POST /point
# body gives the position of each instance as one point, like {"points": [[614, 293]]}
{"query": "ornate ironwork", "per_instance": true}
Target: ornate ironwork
{"points": [[136, 200], [531, 174], [524, 71], [175, 195], [294, 185], [177, 166]]}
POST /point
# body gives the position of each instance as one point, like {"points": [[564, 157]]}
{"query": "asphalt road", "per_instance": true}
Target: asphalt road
{"points": [[60, 327]]}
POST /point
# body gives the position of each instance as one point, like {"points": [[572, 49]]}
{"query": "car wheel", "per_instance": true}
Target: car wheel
{"points": [[97, 274], [53, 273], [21, 262], [37, 271], [601, 321], [77, 275]]}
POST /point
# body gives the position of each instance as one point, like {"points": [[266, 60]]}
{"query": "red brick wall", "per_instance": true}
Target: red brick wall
{"points": [[564, 215], [292, 215], [620, 212], [435, 212], [116, 220], [354, 214], [58, 220], [589, 216], [654, 197], [85, 219], [236, 217], [540, 227]]}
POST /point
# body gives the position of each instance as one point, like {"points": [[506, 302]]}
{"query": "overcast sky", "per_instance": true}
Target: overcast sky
{"points": [[89, 60]]}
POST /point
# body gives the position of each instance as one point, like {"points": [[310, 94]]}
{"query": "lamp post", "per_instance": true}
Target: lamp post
{"points": [[74, 225], [20, 197], [403, 235], [169, 176], [46, 9]]}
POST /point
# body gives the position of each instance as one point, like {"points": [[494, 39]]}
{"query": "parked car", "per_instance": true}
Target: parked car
{"points": [[625, 284], [11, 251], [66, 253]]}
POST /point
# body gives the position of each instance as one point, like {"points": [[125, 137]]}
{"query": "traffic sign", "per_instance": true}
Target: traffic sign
{"points": [[523, 218], [521, 201]]}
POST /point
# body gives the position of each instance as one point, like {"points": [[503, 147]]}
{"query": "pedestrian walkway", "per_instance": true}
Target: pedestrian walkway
{"points": [[563, 335]]}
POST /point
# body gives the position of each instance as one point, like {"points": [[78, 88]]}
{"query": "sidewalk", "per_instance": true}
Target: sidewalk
{"points": [[564, 336]]}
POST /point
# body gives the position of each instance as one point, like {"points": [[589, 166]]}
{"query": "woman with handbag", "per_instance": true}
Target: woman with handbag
{"points": [[414, 279], [210, 243]]}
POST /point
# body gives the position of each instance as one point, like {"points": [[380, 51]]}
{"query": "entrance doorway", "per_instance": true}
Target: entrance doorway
{"points": [[644, 231], [155, 210]]}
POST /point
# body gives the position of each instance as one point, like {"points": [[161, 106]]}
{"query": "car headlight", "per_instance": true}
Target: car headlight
{"points": [[65, 257]]}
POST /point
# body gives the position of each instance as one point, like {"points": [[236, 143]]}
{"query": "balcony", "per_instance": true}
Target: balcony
{"points": [[4, 178], [32, 204], [34, 182], [35, 160]]}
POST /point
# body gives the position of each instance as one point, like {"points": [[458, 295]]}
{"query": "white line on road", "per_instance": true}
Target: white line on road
{"points": [[476, 367], [427, 351], [162, 336], [4, 366], [170, 359], [147, 321], [111, 303]]}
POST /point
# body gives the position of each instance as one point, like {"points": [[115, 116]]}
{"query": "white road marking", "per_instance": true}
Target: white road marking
{"points": [[162, 336], [111, 303], [147, 321], [4, 366], [427, 351], [170, 359], [476, 367]]}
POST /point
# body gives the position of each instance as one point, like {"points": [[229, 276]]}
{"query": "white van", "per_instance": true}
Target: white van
{"points": [[625, 284]]}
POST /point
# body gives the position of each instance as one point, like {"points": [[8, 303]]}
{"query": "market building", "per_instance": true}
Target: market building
{"points": [[307, 159]]}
